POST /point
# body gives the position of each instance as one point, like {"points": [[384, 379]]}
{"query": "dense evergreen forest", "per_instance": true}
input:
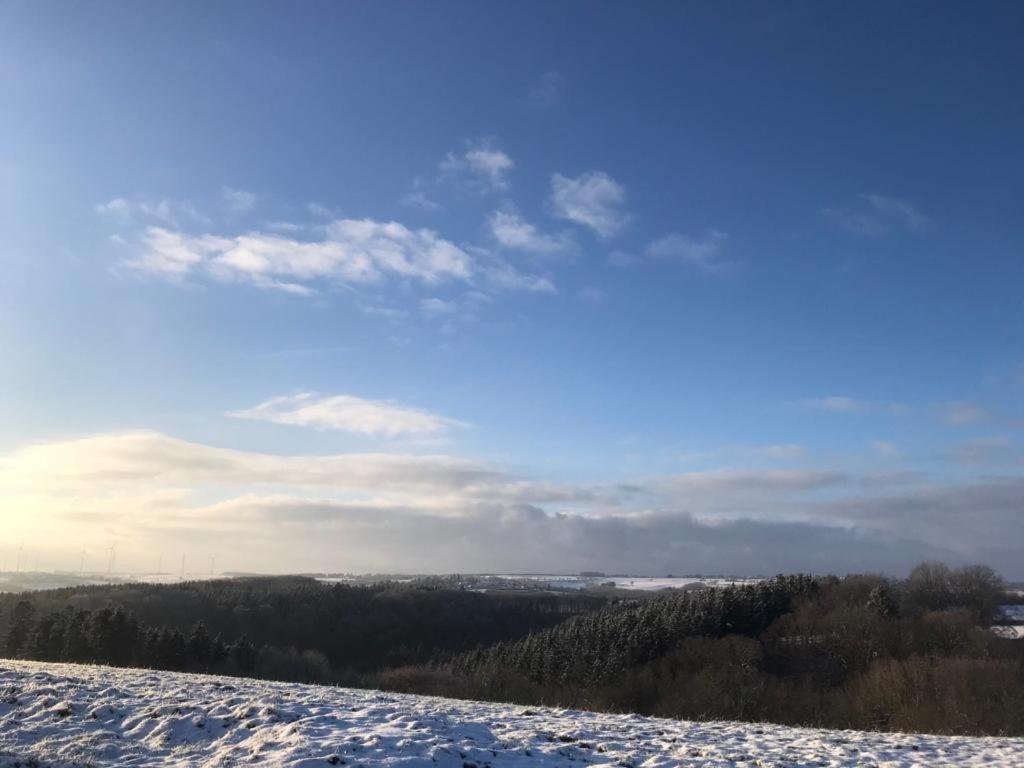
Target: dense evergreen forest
{"points": [[860, 651], [286, 628]]}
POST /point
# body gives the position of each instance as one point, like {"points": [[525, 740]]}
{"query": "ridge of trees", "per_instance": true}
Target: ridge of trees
{"points": [[861, 651]]}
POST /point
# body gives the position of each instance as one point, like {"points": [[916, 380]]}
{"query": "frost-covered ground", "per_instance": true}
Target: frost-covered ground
{"points": [[69, 715], [31, 581]]}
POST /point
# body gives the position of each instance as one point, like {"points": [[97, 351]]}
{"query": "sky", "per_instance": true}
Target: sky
{"points": [[511, 287]]}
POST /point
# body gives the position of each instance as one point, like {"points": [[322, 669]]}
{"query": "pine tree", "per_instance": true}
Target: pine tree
{"points": [[21, 625], [199, 646]]}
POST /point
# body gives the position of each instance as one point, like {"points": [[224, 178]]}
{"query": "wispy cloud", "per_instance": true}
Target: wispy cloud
{"points": [[238, 200], [700, 252], [351, 252], [173, 212], [319, 210], [775, 452], [959, 413], [838, 404], [511, 230], [593, 199], [388, 313], [417, 197], [986, 450], [548, 89], [878, 215], [348, 413], [845, 404], [481, 164], [435, 306]]}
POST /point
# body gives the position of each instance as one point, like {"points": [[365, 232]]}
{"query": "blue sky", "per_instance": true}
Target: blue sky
{"points": [[679, 285]]}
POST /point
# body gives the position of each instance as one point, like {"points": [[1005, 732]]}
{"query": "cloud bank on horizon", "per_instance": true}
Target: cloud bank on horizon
{"points": [[431, 512]]}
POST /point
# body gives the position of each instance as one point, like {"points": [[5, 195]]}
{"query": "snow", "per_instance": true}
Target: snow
{"points": [[563, 582], [1010, 632], [674, 582], [71, 715], [31, 581]]}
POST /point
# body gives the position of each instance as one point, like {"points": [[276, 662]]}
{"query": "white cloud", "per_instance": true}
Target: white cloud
{"points": [[353, 252], [512, 231], [409, 512], [699, 252], [481, 164], [838, 404], [501, 274], [320, 210], [388, 313], [960, 413], [435, 306], [238, 200], [104, 463], [175, 255], [173, 212], [419, 199], [878, 215], [284, 226], [348, 413], [592, 199], [547, 90]]}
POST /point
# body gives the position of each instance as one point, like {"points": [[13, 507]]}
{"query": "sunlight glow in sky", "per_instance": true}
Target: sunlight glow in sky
{"points": [[478, 287]]}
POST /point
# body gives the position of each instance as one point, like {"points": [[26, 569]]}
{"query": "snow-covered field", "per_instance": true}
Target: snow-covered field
{"points": [[31, 581], [645, 583], [69, 715]]}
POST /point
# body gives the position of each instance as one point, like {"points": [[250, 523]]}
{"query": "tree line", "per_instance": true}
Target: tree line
{"points": [[862, 651], [116, 637], [290, 628]]}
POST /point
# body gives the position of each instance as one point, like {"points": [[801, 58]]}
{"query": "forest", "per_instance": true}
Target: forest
{"points": [[862, 651]]}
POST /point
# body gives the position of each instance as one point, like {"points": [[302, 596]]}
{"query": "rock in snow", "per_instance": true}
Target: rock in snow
{"points": [[71, 715]]}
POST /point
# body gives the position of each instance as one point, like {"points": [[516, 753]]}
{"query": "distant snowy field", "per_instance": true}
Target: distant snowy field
{"points": [[28, 581], [561, 582], [645, 583], [69, 715]]}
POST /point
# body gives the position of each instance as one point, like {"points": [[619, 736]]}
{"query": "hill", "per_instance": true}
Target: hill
{"points": [[62, 715]]}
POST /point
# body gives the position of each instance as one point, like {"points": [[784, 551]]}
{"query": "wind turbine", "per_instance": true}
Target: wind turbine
{"points": [[17, 563], [112, 554], [81, 564]]}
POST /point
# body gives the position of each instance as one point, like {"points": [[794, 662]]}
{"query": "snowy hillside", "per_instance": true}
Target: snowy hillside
{"points": [[66, 715]]}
